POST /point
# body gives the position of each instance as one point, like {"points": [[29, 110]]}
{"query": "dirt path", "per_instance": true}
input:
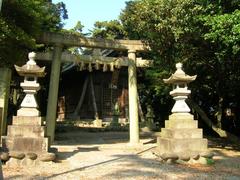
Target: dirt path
{"points": [[107, 155]]}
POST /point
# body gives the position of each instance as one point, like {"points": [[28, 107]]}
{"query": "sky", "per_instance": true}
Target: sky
{"points": [[90, 11]]}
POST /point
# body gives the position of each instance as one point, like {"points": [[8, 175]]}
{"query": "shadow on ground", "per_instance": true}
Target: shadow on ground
{"points": [[139, 164]]}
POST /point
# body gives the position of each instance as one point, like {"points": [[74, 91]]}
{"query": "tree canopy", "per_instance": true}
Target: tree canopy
{"points": [[21, 21], [204, 35]]}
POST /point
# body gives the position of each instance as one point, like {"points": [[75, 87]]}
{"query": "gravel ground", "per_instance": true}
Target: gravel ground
{"points": [[107, 155]]}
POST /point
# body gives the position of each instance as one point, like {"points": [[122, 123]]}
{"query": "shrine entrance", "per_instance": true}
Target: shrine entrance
{"points": [[89, 63]]}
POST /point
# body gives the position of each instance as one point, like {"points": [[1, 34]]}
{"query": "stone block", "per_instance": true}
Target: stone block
{"points": [[31, 112], [181, 133], [184, 157], [166, 156], [26, 131], [4, 156], [181, 116], [31, 156], [181, 123], [166, 145], [16, 155], [24, 144], [47, 157], [27, 120]]}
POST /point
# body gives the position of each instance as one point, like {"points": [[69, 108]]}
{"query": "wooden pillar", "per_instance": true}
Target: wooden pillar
{"points": [[5, 79], [80, 102], [132, 94], [53, 92], [93, 98]]}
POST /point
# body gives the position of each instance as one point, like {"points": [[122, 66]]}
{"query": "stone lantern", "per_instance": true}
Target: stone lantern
{"points": [[31, 71], [26, 142], [181, 140], [180, 91]]}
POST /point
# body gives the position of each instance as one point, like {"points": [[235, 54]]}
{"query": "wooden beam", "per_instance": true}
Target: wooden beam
{"points": [[70, 40], [80, 102], [93, 98], [122, 61]]}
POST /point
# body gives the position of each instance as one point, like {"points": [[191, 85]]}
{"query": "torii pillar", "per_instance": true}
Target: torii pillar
{"points": [[53, 92], [132, 95]]}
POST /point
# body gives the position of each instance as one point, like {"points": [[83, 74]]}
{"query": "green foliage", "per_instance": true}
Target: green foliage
{"points": [[109, 30], [203, 35], [224, 30], [163, 24], [76, 30], [79, 27], [21, 22], [210, 161], [167, 27]]}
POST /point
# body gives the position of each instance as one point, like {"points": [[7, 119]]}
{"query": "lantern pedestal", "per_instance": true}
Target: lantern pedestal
{"points": [[28, 111], [181, 137], [181, 140]]}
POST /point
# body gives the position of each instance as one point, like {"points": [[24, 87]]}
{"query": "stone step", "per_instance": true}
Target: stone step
{"points": [[181, 133], [23, 144], [27, 120], [181, 123], [26, 131], [168, 145]]}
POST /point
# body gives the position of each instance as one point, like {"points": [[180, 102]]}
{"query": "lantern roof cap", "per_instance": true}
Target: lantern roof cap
{"points": [[30, 68], [179, 76]]}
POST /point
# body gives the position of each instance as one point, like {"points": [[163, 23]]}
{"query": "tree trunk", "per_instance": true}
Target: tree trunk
{"points": [[219, 131], [140, 110], [5, 79], [220, 113]]}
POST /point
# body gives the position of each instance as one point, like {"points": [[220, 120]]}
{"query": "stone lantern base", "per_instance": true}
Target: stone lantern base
{"points": [[25, 143], [181, 139]]}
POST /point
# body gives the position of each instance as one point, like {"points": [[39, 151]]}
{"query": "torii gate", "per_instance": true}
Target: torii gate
{"points": [[61, 40]]}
